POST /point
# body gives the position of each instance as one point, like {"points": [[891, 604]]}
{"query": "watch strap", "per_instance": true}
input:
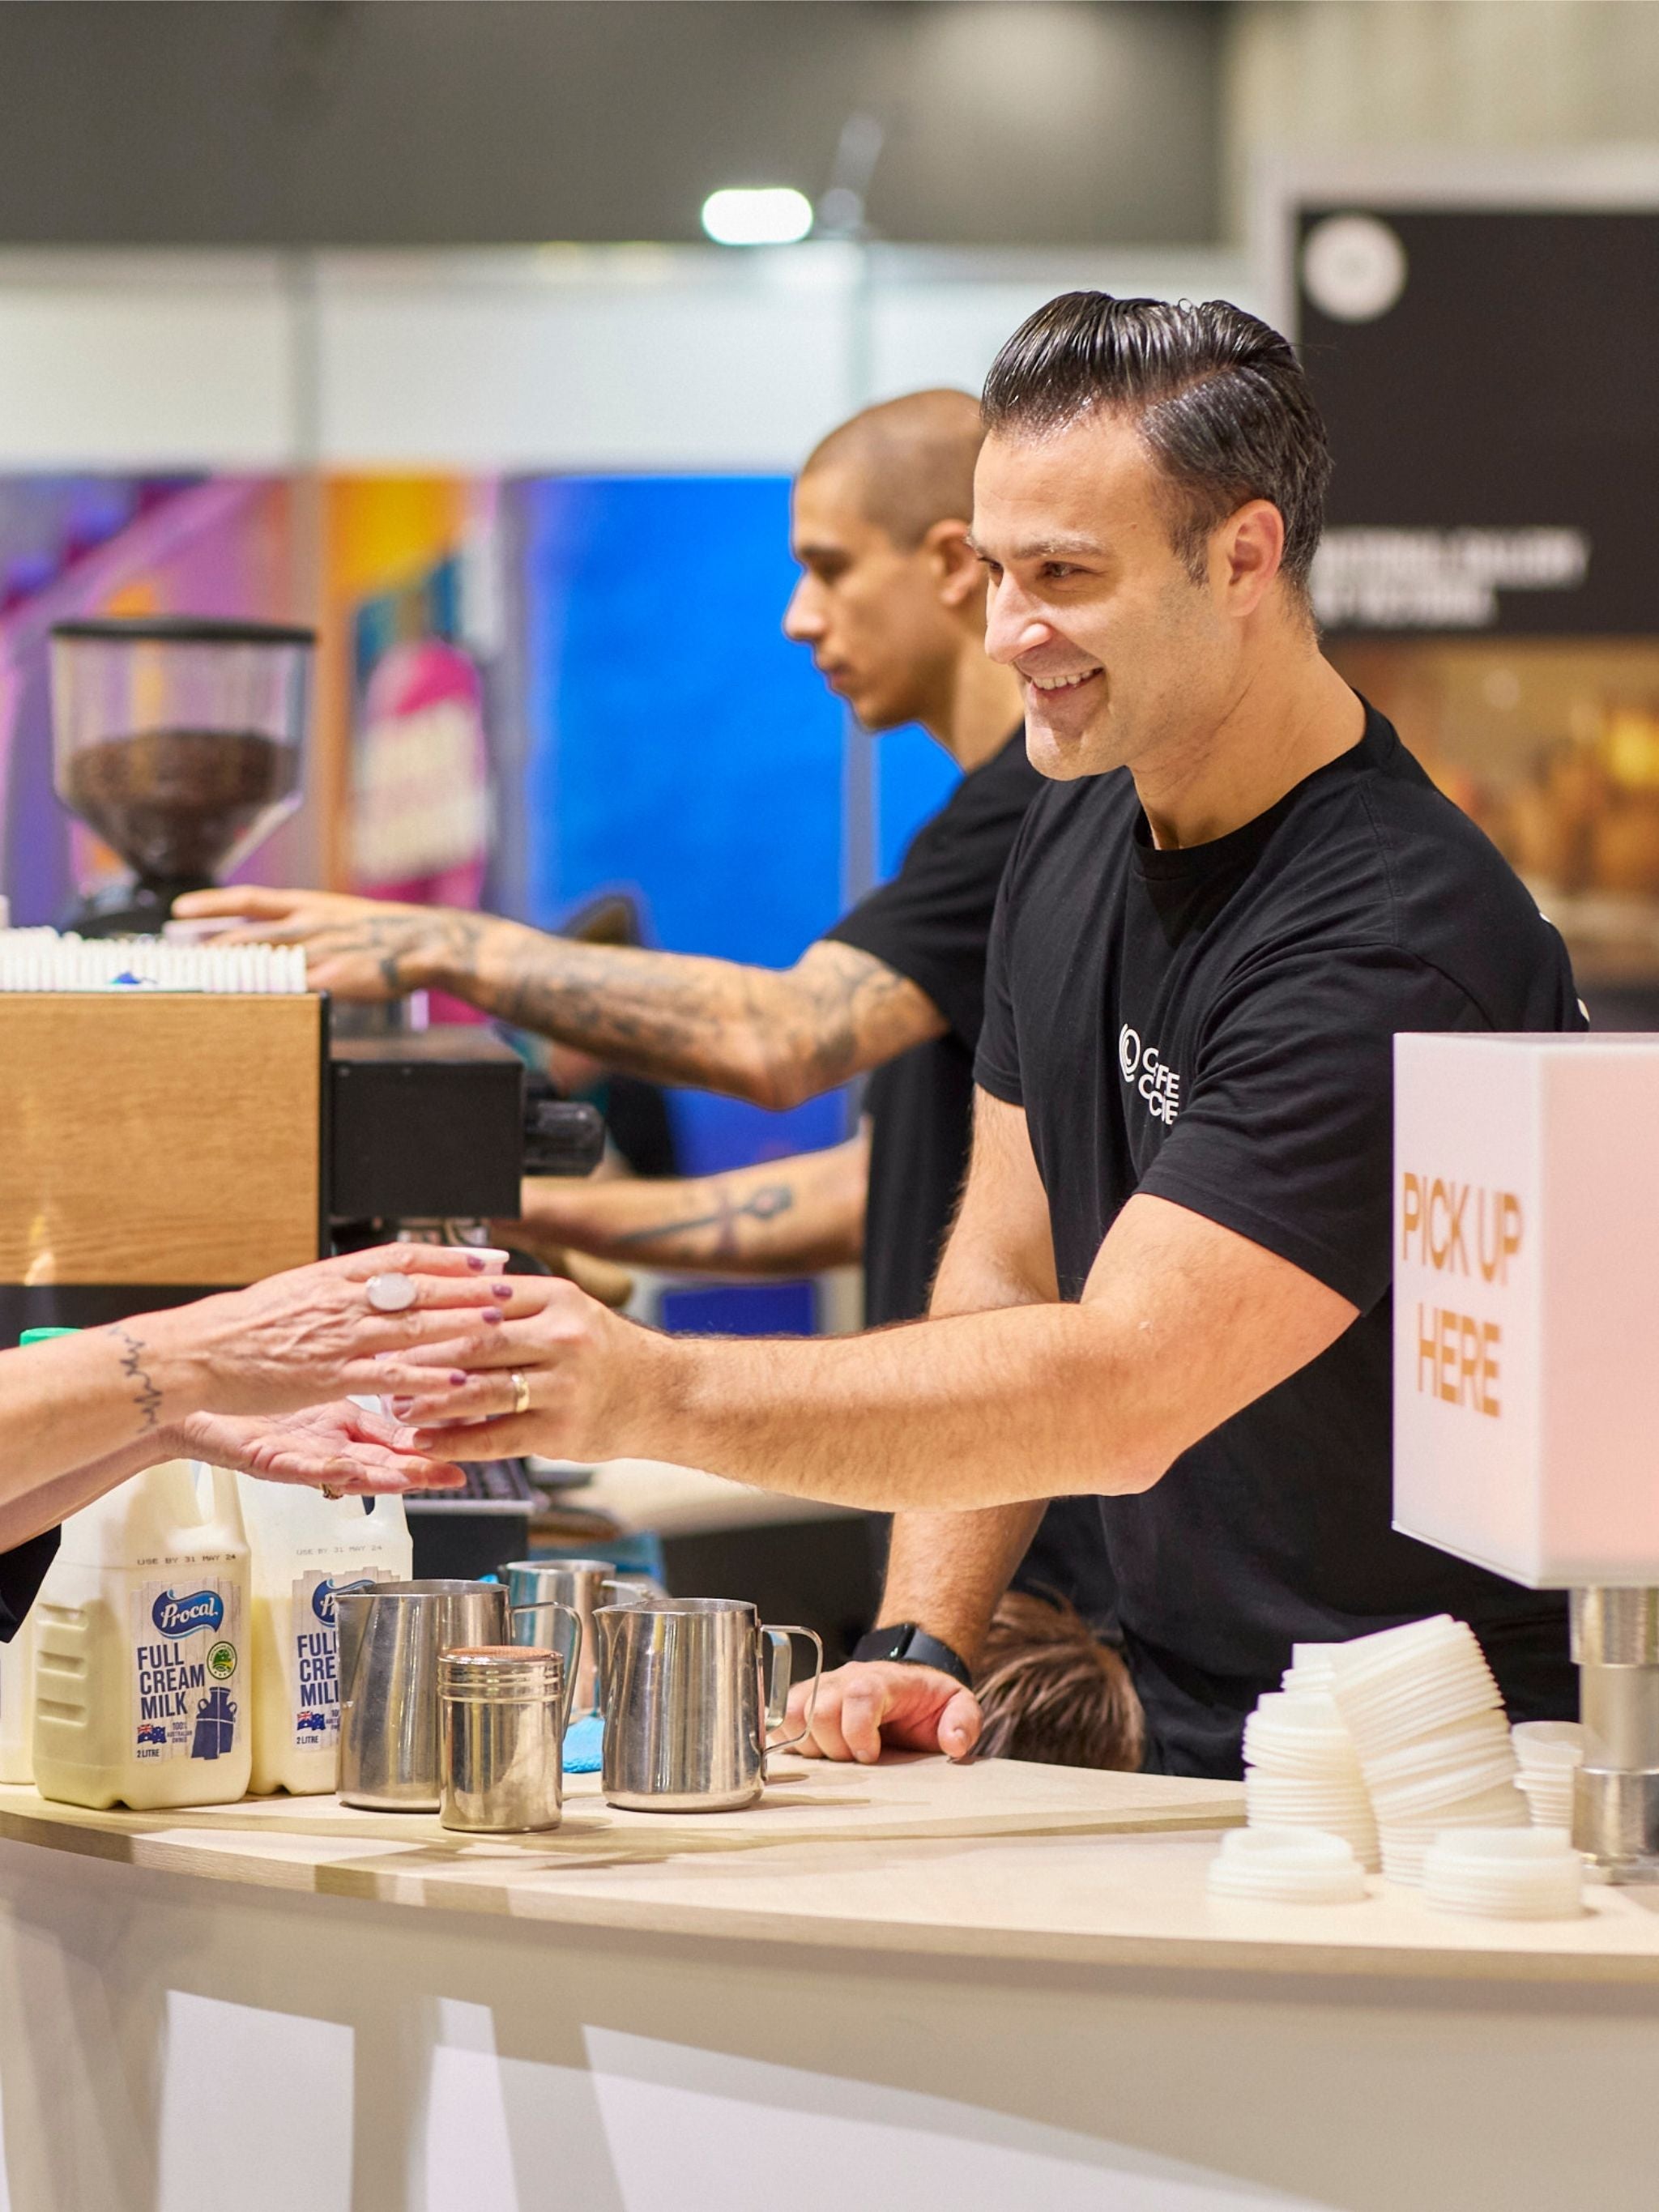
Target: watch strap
{"points": [[914, 1647]]}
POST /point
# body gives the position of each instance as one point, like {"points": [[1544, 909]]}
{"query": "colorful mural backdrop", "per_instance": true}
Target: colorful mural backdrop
{"points": [[553, 688]]}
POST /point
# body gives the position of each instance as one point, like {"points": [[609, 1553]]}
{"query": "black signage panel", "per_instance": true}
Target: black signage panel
{"points": [[1491, 381]]}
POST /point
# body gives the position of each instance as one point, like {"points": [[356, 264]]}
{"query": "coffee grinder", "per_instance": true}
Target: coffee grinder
{"points": [[161, 1141], [180, 740]]}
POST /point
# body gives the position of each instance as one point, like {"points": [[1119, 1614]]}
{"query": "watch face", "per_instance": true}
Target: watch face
{"points": [[885, 1642]]}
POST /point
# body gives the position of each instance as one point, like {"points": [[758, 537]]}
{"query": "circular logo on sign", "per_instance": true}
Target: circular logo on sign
{"points": [[1128, 1051], [1353, 267], [221, 1662]]}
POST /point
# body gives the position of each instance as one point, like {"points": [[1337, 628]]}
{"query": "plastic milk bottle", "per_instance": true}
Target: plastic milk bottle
{"points": [[141, 1657], [17, 1694], [306, 1547]]}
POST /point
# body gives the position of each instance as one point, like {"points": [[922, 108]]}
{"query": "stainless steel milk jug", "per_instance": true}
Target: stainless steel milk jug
{"points": [[391, 1636], [686, 1719], [584, 1585]]}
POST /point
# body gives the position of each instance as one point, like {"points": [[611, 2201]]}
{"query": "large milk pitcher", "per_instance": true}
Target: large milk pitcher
{"points": [[584, 1585], [391, 1637], [686, 1719]]}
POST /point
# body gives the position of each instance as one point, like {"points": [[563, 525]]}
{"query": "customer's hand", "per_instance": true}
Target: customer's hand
{"points": [[602, 1280], [308, 1336], [588, 1374], [360, 949], [878, 1704], [343, 1448]]}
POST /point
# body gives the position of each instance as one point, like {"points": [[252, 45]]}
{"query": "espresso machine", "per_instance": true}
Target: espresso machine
{"points": [[1526, 1365], [191, 1123]]}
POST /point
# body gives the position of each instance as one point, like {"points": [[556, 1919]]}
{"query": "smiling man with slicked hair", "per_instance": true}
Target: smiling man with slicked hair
{"points": [[1168, 1283]]}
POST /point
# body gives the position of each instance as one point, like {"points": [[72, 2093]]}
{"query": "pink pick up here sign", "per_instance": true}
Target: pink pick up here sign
{"points": [[1526, 1303]]}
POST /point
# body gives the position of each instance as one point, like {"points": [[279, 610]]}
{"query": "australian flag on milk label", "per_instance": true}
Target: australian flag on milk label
{"points": [[187, 1656], [314, 1659]]}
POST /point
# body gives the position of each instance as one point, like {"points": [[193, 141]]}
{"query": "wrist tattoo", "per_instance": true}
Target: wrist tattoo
{"points": [[765, 1204], [146, 1397], [389, 940]]}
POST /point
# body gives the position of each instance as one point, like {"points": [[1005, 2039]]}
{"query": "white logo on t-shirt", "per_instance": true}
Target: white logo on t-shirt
{"points": [[1144, 1068]]}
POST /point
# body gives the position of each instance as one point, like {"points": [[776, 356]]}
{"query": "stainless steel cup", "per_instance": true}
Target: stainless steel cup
{"points": [[686, 1718], [501, 1731], [584, 1585], [391, 1636]]}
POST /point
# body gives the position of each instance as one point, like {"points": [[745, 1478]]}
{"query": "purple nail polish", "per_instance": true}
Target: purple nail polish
{"points": [[501, 1290], [491, 1313], [475, 1260], [457, 1378]]}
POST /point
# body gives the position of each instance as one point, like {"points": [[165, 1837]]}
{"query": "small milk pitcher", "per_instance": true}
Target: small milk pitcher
{"points": [[392, 1636], [686, 1718], [584, 1585]]}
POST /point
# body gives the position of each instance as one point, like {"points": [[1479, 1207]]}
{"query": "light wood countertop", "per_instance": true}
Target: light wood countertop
{"points": [[996, 1861]]}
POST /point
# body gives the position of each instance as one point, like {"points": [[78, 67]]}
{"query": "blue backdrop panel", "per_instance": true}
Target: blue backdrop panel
{"points": [[741, 1309], [913, 779], [679, 746]]}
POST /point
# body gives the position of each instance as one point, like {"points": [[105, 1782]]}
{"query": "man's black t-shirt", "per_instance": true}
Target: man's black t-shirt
{"points": [[1214, 1026], [932, 923]]}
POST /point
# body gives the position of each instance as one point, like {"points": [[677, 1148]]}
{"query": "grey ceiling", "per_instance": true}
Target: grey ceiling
{"points": [[373, 122]]}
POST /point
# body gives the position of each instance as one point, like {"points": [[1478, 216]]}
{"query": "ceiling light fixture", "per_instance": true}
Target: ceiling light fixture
{"points": [[762, 214]]}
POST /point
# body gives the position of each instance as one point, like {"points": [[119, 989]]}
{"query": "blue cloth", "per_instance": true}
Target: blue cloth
{"points": [[583, 1742]]}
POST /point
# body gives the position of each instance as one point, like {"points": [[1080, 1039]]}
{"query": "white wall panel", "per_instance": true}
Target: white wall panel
{"points": [[631, 357], [649, 359], [145, 360]]}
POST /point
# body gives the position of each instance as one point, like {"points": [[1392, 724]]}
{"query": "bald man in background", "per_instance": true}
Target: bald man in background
{"points": [[891, 601]]}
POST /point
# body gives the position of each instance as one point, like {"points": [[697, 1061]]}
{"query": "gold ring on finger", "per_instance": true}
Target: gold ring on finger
{"points": [[521, 1393]]}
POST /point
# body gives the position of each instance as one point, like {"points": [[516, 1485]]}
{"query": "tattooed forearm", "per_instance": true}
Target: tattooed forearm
{"points": [[756, 1033], [774, 1038], [850, 1011], [787, 1217], [146, 1397], [764, 1205]]}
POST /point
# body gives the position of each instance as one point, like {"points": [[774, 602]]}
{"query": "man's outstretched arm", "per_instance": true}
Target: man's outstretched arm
{"points": [[770, 1036], [1183, 1323]]}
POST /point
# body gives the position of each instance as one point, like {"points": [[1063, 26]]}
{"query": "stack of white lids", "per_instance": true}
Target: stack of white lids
{"points": [[1302, 1771], [1549, 1754], [1313, 1667], [1433, 1743], [1286, 1866], [41, 960], [1509, 1873]]}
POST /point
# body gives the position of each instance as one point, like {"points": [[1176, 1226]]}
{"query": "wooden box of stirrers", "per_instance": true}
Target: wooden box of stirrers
{"points": [[159, 1137]]}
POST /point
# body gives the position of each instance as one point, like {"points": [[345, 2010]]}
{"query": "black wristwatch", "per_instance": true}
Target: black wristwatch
{"points": [[904, 1641]]}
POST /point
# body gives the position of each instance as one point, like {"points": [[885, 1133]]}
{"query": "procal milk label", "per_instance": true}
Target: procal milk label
{"points": [[314, 1660], [187, 1649]]}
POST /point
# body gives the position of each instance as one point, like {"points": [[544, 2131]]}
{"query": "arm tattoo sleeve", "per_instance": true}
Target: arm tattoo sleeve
{"points": [[774, 1037]]}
